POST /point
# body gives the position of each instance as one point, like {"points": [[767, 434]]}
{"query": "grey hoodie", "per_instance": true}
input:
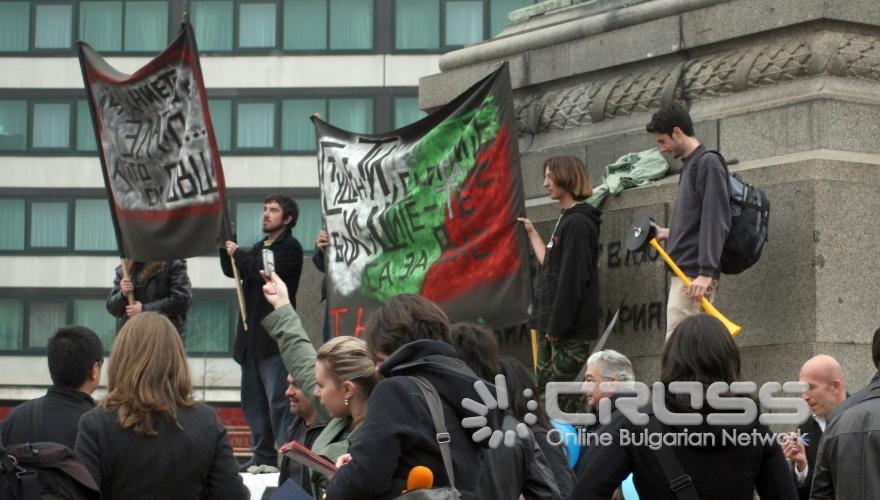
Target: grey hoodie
{"points": [[701, 215]]}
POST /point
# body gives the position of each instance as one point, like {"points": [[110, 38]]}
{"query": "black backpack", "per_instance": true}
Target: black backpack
{"points": [[749, 223], [41, 471]]}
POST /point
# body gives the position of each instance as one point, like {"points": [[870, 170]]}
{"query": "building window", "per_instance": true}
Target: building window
{"points": [[255, 125], [464, 22], [100, 25], [132, 26], [26, 324], [85, 130], [298, 133], [51, 126], [221, 119], [406, 111], [93, 312], [208, 325], [311, 25], [146, 26], [48, 225], [14, 24], [213, 23], [53, 26], [256, 25], [12, 224], [44, 319], [11, 324], [351, 24], [355, 115], [13, 125], [93, 226], [416, 24], [305, 25]]}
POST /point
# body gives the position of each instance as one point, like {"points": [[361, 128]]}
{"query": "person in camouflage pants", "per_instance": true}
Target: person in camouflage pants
{"points": [[566, 301], [561, 361]]}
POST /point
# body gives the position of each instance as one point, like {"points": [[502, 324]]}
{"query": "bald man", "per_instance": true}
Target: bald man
{"points": [[826, 392]]}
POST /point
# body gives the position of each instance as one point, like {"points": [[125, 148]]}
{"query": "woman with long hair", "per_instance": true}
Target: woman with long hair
{"points": [[566, 309], [339, 377], [148, 438], [699, 350]]}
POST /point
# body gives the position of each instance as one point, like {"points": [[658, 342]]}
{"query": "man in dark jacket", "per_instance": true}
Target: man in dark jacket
{"points": [[263, 376], [409, 336], [826, 391], [700, 217], [308, 422], [609, 367], [850, 452], [75, 358], [162, 287]]}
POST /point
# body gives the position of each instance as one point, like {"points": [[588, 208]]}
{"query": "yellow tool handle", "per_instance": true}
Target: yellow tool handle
{"points": [[732, 327]]}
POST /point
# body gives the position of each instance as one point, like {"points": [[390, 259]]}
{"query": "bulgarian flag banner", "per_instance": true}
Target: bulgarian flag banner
{"points": [[428, 209]]}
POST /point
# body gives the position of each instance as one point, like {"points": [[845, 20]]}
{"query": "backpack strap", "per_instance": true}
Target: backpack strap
{"points": [[435, 407], [37, 424], [679, 482], [697, 162]]}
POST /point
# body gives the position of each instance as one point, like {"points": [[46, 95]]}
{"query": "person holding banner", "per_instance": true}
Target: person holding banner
{"points": [[162, 287], [566, 308], [263, 376]]}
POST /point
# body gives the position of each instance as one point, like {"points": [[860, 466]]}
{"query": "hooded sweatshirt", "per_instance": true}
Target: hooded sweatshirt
{"points": [[567, 296], [398, 432]]}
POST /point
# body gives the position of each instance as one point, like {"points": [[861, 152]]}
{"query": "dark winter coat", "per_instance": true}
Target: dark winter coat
{"points": [[398, 432], [567, 295], [53, 418], [288, 254], [193, 460], [847, 466], [506, 473], [719, 470], [167, 291]]}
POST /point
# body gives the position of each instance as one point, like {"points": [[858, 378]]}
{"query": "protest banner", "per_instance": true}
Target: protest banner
{"points": [[428, 209]]}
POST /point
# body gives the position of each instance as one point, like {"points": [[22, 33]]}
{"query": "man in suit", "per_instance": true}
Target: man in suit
{"points": [[825, 393]]}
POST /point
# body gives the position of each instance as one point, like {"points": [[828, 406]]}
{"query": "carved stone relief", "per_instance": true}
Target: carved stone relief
{"points": [[715, 75]]}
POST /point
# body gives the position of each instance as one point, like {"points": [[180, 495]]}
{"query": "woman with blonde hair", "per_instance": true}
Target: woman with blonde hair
{"points": [[148, 438], [338, 377]]}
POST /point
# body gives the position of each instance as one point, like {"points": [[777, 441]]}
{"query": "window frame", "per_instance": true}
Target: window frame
{"points": [[70, 200], [32, 36], [28, 296], [71, 127], [441, 16]]}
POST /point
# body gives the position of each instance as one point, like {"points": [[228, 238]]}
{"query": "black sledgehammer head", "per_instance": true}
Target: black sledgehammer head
{"points": [[639, 233]]}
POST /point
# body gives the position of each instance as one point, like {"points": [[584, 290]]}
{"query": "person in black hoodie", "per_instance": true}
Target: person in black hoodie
{"points": [[566, 309], [407, 336], [700, 349]]}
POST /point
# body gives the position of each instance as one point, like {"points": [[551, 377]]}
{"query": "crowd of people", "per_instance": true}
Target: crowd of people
{"points": [[411, 390]]}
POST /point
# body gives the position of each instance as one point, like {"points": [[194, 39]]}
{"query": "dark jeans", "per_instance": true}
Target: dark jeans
{"points": [[265, 407]]}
